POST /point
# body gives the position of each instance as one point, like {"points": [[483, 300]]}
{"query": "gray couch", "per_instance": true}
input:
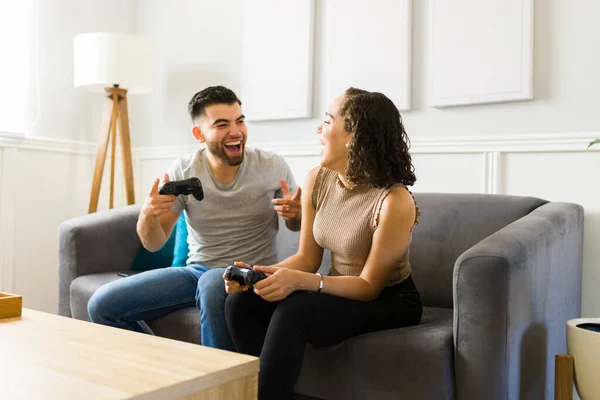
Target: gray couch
{"points": [[499, 276]]}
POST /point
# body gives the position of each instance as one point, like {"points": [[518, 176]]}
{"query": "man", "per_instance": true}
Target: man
{"points": [[244, 191]]}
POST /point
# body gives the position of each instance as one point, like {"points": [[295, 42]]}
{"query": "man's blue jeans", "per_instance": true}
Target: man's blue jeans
{"points": [[128, 302]]}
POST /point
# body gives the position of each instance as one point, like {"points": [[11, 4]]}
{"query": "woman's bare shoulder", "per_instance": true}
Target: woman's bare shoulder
{"points": [[399, 204]]}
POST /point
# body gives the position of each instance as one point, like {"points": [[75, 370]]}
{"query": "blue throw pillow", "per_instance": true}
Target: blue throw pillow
{"points": [[162, 258], [180, 253], [173, 253]]}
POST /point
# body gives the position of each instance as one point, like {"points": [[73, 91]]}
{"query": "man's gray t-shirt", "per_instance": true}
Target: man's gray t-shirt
{"points": [[236, 221]]}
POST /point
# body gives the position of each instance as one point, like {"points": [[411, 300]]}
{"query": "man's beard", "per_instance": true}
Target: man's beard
{"points": [[218, 150]]}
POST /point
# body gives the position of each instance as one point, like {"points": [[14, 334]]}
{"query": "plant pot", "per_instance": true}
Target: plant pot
{"points": [[583, 344]]}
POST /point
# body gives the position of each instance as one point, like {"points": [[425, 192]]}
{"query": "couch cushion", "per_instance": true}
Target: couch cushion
{"points": [[416, 361], [82, 289], [181, 325]]}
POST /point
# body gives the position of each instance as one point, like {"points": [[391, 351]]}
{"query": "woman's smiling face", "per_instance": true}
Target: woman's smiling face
{"points": [[334, 137]]}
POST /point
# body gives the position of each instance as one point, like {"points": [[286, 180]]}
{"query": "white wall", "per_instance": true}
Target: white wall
{"points": [[57, 158], [65, 112], [199, 43], [58, 174], [565, 79]]}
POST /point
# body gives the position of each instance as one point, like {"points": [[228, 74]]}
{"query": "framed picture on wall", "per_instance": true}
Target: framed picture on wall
{"points": [[481, 51], [277, 59], [367, 44]]}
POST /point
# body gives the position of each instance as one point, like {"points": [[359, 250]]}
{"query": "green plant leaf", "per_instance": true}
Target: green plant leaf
{"points": [[593, 143]]}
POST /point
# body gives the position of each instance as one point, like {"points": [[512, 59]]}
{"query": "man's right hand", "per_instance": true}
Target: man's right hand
{"points": [[232, 287], [158, 204]]}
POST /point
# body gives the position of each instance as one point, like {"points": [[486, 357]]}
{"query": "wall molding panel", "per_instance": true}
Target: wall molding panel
{"points": [[8, 186], [491, 167], [51, 145], [481, 51], [538, 143], [576, 141], [490, 148], [16, 215], [350, 56], [277, 57]]}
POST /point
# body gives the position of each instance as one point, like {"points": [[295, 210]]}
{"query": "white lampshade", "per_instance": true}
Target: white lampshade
{"points": [[107, 59]]}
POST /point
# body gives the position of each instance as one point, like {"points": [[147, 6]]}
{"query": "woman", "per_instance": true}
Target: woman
{"points": [[355, 204]]}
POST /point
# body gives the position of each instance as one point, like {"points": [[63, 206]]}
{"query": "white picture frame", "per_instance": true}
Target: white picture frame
{"points": [[277, 59], [368, 45], [481, 51]]}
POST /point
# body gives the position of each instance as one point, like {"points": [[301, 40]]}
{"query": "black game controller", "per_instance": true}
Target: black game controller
{"points": [[187, 186], [243, 276]]}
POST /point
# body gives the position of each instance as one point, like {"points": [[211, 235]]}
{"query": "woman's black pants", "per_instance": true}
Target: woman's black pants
{"points": [[278, 332]]}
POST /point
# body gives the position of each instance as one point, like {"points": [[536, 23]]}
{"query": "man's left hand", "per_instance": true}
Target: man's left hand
{"points": [[288, 206]]}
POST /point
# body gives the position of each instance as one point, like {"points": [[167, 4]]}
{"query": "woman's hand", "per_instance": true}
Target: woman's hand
{"points": [[232, 287], [279, 284]]}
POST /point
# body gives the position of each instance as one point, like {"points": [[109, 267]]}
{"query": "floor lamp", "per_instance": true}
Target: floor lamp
{"points": [[117, 64]]}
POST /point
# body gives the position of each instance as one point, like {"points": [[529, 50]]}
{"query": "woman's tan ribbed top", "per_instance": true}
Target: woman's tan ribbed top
{"points": [[345, 221]]}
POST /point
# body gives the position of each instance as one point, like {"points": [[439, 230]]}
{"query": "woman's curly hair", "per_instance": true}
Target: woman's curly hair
{"points": [[378, 151]]}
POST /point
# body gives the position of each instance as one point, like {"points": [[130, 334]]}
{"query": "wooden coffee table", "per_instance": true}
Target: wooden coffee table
{"points": [[51, 357]]}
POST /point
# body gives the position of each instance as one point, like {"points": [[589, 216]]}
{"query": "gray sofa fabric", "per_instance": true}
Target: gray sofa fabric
{"points": [[499, 276], [447, 230], [408, 363], [99, 242], [514, 292]]}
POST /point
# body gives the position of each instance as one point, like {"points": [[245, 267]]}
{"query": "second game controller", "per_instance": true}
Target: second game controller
{"points": [[186, 186], [243, 276]]}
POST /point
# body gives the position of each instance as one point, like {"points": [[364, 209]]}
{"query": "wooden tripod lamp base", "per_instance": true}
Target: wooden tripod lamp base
{"points": [[115, 113], [106, 62]]}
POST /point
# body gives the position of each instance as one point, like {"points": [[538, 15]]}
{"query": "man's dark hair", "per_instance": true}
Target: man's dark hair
{"points": [[209, 96], [378, 153]]}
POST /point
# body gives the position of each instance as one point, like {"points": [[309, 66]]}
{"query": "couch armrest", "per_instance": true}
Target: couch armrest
{"points": [[100, 242], [513, 293]]}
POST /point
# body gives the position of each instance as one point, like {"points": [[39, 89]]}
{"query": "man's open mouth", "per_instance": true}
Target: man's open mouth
{"points": [[234, 146]]}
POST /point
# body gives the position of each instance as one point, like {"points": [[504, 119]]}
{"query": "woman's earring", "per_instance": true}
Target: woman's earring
{"points": [[348, 145]]}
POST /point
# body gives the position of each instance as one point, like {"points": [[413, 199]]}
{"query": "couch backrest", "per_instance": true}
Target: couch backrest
{"points": [[449, 225]]}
